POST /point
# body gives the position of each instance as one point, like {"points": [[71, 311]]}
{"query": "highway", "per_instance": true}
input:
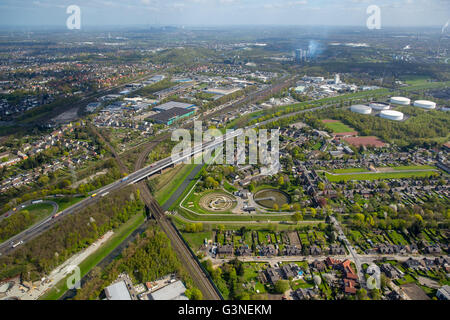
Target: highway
{"points": [[131, 179]]}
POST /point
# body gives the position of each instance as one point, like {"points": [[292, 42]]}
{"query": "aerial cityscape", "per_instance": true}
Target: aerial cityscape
{"points": [[224, 150]]}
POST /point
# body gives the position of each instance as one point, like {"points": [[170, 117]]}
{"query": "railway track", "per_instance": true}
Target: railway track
{"points": [[184, 253]]}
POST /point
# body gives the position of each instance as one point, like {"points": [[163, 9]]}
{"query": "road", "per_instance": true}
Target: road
{"points": [[25, 204], [365, 259], [351, 249]]}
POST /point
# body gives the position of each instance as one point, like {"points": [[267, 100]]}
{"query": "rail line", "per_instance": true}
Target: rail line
{"points": [[200, 278]]}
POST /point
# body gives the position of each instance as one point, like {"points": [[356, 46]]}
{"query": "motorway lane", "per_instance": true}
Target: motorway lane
{"points": [[135, 177]]}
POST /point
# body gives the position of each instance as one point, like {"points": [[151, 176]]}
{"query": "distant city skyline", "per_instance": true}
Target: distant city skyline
{"points": [[225, 12]]}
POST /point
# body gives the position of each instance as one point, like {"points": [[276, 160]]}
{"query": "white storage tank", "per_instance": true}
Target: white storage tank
{"points": [[379, 106], [401, 100], [362, 109], [425, 104], [392, 115]]}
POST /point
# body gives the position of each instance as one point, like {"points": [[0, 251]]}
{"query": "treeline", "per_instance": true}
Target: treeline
{"points": [[10, 226], [431, 214], [151, 89], [148, 258], [54, 184], [70, 235], [229, 279]]}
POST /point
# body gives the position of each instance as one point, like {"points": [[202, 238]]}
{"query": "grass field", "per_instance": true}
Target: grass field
{"points": [[379, 176], [338, 127], [39, 211], [196, 239], [415, 80], [65, 203], [170, 181]]}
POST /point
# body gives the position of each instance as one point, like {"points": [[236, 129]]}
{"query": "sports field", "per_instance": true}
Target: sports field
{"points": [[337, 126]]}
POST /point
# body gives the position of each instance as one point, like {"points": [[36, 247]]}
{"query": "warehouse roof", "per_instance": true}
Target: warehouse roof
{"points": [[174, 104], [165, 116], [117, 291], [173, 291]]}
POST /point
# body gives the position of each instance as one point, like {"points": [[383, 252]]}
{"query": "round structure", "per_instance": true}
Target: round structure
{"points": [[217, 202], [379, 106], [392, 115], [401, 100], [425, 104], [269, 197], [362, 109]]}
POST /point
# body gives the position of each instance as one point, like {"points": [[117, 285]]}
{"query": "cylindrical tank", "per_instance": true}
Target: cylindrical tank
{"points": [[392, 115], [362, 109]]}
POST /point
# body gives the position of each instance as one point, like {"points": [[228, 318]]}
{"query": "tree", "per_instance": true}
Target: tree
{"points": [[321, 186], [362, 294], [375, 294], [281, 286], [280, 181], [194, 294], [43, 180], [297, 217]]}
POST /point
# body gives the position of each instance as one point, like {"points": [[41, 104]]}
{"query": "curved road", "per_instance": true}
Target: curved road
{"points": [[28, 203]]}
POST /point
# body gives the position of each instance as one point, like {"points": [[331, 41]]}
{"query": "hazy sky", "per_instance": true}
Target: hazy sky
{"points": [[225, 12]]}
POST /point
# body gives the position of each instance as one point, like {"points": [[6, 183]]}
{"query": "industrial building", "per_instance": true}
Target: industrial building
{"points": [[171, 115], [401, 100], [173, 291], [117, 291], [424, 104], [379, 106], [392, 115], [361, 109], [174, 104]]}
